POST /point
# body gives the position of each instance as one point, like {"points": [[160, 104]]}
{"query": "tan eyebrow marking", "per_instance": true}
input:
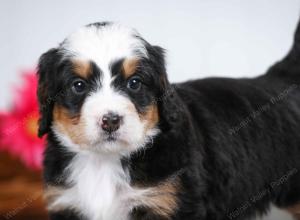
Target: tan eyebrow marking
{"points": [[82, 68], [129, 67]]}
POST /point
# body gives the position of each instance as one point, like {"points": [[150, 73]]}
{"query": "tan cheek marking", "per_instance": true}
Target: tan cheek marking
{"points": [[162, 199], [71, 126], [82, 68], [150, 116], [129, 67], [295, 210]]}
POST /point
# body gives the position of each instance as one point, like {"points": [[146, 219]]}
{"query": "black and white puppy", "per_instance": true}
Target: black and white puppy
{"points": [[124, 143]]}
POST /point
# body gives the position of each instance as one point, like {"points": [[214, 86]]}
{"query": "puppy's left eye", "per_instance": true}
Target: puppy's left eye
{"points": [[134, 84], [79, 87]]}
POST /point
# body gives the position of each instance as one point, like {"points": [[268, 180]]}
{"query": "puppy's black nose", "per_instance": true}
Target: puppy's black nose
{"points": [[111, 122]]}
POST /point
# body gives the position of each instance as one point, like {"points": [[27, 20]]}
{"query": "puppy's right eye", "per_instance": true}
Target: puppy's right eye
{"points": [[79, 87]]}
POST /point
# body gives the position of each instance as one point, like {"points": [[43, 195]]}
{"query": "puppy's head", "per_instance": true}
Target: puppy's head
{"points": [[99, 89]]}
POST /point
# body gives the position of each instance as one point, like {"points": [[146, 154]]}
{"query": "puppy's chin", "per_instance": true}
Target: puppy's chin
{"points": [[117, 144]]}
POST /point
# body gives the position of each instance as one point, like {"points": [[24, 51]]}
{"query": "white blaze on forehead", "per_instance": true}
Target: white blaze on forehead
{"points": [[105, 44]]}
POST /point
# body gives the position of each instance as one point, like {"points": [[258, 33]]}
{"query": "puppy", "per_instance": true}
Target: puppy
{"points": [[125, 144]]}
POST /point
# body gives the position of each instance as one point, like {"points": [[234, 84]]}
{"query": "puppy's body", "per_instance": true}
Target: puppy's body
{"points": [[216, 148]]}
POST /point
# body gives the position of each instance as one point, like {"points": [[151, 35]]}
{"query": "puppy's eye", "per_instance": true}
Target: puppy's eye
{"points": [[79, 87], [134, 84]]}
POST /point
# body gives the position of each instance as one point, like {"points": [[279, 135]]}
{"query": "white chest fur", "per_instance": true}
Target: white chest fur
{"points": [[100, 188]]}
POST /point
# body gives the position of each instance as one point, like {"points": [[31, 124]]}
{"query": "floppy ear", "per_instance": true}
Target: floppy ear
{"points": [[47, 69], [168, 102]]}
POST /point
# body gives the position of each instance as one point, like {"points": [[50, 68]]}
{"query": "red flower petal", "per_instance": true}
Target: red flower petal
{"points": [[18, 127]]}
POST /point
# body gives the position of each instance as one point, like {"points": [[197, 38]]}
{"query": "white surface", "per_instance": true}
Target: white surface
{"points": [[203, 37]]}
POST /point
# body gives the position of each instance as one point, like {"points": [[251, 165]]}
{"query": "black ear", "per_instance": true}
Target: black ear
{"points": [[157, 58], [167, 100], [47, 69]]}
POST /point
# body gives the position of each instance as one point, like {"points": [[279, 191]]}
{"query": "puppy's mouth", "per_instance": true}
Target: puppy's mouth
{"points": [[110, 136]]}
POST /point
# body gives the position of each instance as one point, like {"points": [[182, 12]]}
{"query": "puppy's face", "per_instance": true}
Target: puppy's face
{"points": [[98, 90]]}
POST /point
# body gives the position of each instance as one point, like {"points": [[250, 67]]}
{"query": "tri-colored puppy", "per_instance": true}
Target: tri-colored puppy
{"points": [[124, 143]]}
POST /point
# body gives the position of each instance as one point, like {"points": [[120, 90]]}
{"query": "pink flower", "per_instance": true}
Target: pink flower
{"points": [[18, 127]]}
